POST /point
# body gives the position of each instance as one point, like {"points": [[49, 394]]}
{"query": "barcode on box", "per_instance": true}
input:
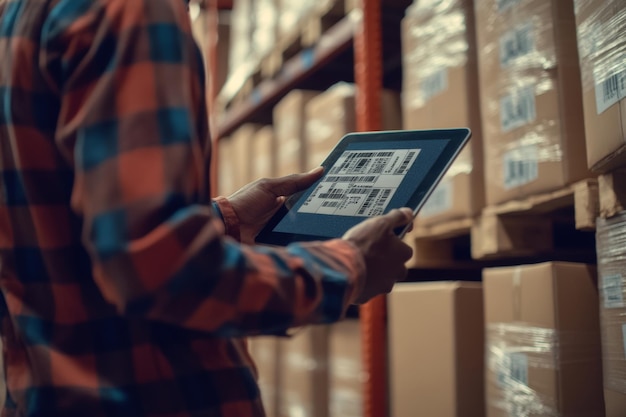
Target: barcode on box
{"points": [[434, 84], [519, 368], [516, 44], [513, 370], [610, 91], [503, 5], [613, 291], [521, 166], [439, 201], [517, 109]]}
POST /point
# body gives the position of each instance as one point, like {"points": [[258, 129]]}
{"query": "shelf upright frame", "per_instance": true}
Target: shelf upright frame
{"points": [[368, 71]]}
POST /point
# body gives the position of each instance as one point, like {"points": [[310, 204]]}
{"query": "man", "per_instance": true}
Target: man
{"points": [[125, 291]]}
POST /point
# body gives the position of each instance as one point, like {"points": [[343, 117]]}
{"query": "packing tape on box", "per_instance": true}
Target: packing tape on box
{"points": [[602, 49], [518, 354], [611, 247]]}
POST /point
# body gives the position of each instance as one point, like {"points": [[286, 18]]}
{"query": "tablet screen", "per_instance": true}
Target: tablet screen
{"points": [[367, 179]]}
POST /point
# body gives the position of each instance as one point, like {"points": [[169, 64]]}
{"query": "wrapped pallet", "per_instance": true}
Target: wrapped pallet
{"points": [[601, 25], [543, 341], [531, 97], [332, 114], [611, 245], [440, 90]]}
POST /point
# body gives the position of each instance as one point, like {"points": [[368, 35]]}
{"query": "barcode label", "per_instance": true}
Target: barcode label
{"points": [[613, 291], [331, 204], [610, 91], [403, 168], [517, 109], [369, 201], [333, 194], [521, 166], [351, 179], [516, 44], [519, 368], [503, 5], [513, 370], [434, 84], [439, 201]]}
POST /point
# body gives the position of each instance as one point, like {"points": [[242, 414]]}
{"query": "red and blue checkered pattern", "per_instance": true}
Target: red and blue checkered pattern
{"points": [[123, 289]]}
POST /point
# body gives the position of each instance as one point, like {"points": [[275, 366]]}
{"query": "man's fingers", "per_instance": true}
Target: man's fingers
{"points": [[293, 183], [399, 217]]}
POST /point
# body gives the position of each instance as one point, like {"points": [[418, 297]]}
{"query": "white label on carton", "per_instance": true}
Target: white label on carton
{"points": [[516, 44], [440, 200], [613, 291], [513, 370], [504, 5], [517, 109], [435, 84], [610, 91], [521, 166], [519, 368], [361, 183]]}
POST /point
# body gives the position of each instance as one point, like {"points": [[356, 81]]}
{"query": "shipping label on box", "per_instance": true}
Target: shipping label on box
{"points": [[517, 109], [521, 166], [611, 90], [516, 44], [613, 291]]}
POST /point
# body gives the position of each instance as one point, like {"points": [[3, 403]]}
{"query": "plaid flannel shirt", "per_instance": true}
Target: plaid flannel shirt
{"points": [[122, 293]]}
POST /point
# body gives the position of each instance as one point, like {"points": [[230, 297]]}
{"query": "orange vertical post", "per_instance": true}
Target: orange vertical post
{"points": [[368, 75], [212, 22]]}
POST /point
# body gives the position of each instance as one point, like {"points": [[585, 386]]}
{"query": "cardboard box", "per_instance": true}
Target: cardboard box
{"points": [[440, 90], [263, 149], [345, 370], [290, 131], [303, 374], [264, 351], [226, 176], [543, 341], [615, 403], [601, 25], [531, 98], [611, 246], [332, 115], [240, 156], [436, 350]]}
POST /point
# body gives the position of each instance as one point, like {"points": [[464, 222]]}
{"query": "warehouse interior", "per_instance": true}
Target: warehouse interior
{"points": [[515, 301]]}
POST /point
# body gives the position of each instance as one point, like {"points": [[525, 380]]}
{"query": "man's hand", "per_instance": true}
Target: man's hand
{"points": [[385, 254], [257, 202]]}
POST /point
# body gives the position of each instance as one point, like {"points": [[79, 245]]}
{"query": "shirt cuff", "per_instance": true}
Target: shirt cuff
{"points": [[229, 217], [350, 254]]}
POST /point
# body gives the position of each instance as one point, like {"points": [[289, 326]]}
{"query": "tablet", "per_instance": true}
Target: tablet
{"points": [[365, 175]]}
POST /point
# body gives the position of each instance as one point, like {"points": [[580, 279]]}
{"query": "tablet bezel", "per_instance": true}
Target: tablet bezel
{"points": [[457, 137]]}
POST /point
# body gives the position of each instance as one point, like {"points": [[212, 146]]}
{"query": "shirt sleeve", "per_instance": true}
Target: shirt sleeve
{"points": [[131, 121]]}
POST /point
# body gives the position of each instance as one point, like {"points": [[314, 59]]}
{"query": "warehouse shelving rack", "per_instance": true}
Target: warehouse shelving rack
{"points": [[367, 43]]}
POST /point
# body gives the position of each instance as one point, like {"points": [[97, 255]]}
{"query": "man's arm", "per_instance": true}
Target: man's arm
{"points": [[130, 124]]}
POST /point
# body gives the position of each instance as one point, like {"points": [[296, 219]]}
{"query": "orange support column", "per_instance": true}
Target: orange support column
{"points": [[212, 21], [368, 74]]}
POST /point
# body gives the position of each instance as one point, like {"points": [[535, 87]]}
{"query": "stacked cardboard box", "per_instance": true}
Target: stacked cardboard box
{"points": [[264, 351], [290, 131], [531, 97], [611, 245], [602, 47], [436, 350], [440, 90], [346, 373], [226, 179], [263, 150], [239, 156], [543, 341], [303, 374], [332, 115]]}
